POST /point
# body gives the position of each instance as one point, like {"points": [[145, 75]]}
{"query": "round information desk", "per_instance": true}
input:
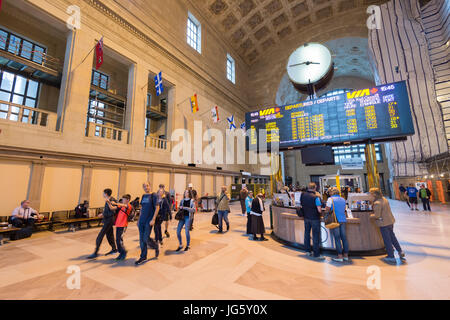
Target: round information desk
{"points": [[364, 236]]}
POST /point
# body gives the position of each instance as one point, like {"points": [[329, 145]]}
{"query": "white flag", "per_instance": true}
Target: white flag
{"points": [[215, 114]]}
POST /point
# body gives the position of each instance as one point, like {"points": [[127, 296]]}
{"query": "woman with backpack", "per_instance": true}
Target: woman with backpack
{"points": [[184, 216]]}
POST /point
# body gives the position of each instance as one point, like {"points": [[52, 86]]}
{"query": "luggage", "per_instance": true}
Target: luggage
{"points": [[22, 234]]}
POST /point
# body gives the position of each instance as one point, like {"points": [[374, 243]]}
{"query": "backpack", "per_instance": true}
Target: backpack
{"points": [[22, 233]]}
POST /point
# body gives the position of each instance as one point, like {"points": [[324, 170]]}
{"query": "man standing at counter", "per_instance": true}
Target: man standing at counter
{"points": [[312, 210]]}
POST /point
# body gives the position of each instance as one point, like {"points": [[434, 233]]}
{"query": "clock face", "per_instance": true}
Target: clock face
{"points": [[309, 64]]}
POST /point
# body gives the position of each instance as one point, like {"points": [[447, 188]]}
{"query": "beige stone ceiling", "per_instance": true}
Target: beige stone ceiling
{"points": [[254, 26]]}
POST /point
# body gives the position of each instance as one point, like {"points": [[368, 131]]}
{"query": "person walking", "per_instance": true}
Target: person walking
{"points": [[412, 195], [108, 225], [248, 208], [195, 198], [257, 222], [385, 221], [164, 212], [187, 208], [336, 204], [312, 210], [425, 194], [242, 196], [223, 208], [125, 209], [403, 194], [147, 218]]}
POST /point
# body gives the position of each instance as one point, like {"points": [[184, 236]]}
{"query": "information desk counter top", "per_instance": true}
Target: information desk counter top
{"points": [[363, 234]]}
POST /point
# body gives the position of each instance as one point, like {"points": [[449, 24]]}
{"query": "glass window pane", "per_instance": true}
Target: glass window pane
{"points": [[19, 87], [5, 96], [3, 39], [30, 103], [17, 99], [14, 44], [27, 47], [7, 81], [38, 56], [32, 89]]}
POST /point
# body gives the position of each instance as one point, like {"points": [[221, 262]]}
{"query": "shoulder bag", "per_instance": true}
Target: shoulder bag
{"points": [[330, 219]]}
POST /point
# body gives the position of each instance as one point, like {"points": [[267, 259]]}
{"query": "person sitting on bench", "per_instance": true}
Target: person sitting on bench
{"points": [[81, 211], [24, 215]]}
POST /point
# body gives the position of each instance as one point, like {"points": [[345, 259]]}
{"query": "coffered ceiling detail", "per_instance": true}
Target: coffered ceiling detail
{"points": [[254, 26]]}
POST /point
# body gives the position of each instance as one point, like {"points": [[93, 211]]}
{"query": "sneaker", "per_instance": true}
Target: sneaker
{"points": [[112, 252], [402, 256], [93, 256], [179, 248], [187, 248], [157, 252], [338, 259], [121, 257], [167, 234], [417, 209], [389, 260], [250, 237], [320, 258], [308, 254], [220, 231], [140, 261], [228, 227], [263, 239], [346, 259]]}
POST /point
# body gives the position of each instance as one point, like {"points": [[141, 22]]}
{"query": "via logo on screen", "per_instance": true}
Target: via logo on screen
{"points": [[267, 112], [361, 93]]}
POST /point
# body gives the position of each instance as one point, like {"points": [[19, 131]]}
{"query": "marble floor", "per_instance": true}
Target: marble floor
{"points": [[228, 266]]}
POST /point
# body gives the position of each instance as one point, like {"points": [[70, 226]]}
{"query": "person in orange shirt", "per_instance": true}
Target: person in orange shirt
{"points": [[121, 223]]}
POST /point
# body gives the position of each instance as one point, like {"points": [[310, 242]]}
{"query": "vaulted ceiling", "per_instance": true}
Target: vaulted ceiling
{"points": [[254, 26]]}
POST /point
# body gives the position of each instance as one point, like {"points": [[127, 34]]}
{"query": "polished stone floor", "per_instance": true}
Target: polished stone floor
{"points": [[229, 266]]}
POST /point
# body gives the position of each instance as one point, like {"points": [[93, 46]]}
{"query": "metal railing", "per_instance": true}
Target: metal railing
{"points": [[157, 143], [96, 130], [26, 115]]}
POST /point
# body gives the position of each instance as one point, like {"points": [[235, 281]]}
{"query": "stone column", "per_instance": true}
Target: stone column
{"points": [[215, 184], [86, 180], [171, 180], [35, 184], [122, 182], [136, 105], [74, 95]]}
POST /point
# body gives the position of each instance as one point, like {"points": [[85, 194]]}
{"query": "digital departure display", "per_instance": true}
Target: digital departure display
{"points": [[381, 113]]}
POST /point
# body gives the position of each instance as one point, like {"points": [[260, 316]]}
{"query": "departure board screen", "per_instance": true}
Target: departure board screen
{"points": [[381, 113]]}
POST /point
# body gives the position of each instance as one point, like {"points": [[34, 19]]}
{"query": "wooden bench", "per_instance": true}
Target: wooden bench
{"points": [[71, 221], [46, 222]]}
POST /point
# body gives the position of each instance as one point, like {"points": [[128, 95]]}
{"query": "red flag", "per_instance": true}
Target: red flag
{"points": [[0, 5], [98, 54]]}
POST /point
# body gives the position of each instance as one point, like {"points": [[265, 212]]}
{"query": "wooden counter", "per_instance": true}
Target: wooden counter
{"points": [[363, 234]]}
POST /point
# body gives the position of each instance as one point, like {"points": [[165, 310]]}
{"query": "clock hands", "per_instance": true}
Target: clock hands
{"points": [[306, 63]]}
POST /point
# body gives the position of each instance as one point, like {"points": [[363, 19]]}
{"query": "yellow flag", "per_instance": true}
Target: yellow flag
{"points": [[194, 103]]}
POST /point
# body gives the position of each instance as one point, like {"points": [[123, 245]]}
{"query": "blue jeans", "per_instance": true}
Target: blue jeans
{"points": [[144, 234], [390, 240], [223, 215], [186, 222], [340, 238], [313, 225]]}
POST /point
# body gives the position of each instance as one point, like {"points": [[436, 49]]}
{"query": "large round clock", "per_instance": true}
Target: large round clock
{"points": [[310, 67]]}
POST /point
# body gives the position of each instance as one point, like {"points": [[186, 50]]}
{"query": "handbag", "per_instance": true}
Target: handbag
{"points": [[180, 215], [215, 219], [331, 220]]}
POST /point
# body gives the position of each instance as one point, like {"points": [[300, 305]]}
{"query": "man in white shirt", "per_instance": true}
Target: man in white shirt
{"points": [[24, 215]]}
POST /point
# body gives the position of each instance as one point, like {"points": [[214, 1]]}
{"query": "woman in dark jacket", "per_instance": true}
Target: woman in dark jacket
{"points": [[257, 223]]}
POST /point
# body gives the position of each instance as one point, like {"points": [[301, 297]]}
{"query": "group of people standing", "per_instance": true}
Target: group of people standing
{"points": [[254, 209], [410, 194], [312, 210]]}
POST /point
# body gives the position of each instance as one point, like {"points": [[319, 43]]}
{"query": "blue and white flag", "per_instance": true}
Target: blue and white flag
{"points": [[158, 84], [243, 126], [231, 123]]}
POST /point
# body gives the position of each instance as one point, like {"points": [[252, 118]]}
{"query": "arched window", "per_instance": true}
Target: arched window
{"points": [[335, 92]]}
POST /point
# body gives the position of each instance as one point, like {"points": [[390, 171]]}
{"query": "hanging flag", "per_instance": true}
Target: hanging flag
{"points": [[158, 84], [243, 126], [215, 114], [231, 123], [99, 54], [194, 103], [0, 5]]}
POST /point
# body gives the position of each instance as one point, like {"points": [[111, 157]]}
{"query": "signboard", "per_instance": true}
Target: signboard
{"points": [[352, 163], [381, 113]]}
